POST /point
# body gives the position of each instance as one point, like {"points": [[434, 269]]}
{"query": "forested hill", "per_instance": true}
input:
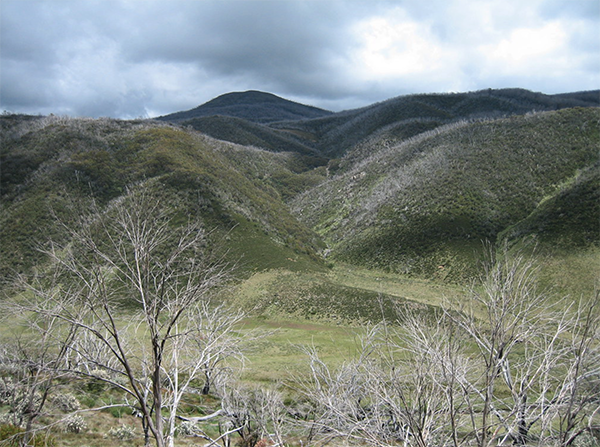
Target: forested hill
{"points": [[280, 125], [428, 201], [56, 166], [412, 185], [255, 106]]}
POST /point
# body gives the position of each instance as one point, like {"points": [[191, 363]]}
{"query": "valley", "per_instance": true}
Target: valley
{"points": [[347, 250]]}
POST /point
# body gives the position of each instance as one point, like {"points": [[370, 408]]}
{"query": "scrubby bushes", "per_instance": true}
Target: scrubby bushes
{"points": [[13, 436], [74, 424], [122, 433], [66, 402], [399, 206]]}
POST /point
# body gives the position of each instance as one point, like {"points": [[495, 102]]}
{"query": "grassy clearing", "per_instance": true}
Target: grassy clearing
{"points": [[572, 273], [424, 291], [272, 292], [286, 302], [280, 356]]}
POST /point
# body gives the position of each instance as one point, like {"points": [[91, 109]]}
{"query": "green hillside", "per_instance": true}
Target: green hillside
{"points": [[412, 185], [423, 206], [247, 133], [51, 164], [568, 216], [407, 116]]}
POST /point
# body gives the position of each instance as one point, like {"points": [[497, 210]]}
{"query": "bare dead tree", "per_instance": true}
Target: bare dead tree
{"points": [[210, 339], [258, 415], [403, 387], [132, 281], [435, 365], [336, 396], [578, 394], [512, 365], [31, 363], [526, 354]]}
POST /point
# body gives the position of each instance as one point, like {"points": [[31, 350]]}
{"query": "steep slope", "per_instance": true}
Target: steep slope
{"points": [[416, 189], [423, 206], [568, 217], [248, 133], [255, 106], [55, 165]]}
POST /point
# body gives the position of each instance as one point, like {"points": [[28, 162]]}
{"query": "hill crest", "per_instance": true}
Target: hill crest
{"points": [[252, 105]]}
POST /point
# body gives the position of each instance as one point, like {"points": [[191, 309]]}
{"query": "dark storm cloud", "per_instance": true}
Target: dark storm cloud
{"points": [[76, 46], [131, 58], [291, 46]]}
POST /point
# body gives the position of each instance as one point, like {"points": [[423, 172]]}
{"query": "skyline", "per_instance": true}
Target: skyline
{"points": [[145, 58]]}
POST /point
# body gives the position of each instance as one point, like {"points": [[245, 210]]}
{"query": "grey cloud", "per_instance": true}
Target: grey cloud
{"points": [[280, 43], [582, 9], [286, 45], [129, 58]]}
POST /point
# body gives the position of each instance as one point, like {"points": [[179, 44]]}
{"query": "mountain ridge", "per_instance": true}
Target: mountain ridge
{"points": [[333, 134], [338, 133], [252, 105], [406, 185]]}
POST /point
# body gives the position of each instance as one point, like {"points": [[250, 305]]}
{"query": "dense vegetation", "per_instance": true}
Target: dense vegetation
{"points": [[331, 223], [406, 116], [50, 162], [247, 133], [429, 201]]}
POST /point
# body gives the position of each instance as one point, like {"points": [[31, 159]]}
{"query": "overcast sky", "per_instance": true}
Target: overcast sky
{"points": [[133, 58]]}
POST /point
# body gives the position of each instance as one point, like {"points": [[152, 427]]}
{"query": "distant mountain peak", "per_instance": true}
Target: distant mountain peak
{"points": [[246, 97], [252, 105]]}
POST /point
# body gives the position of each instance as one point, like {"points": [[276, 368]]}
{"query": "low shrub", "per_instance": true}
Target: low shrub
{"points": [[66, 402], [187, 428], [118, 412], [97, 384], [74, 424], [13, 436], [122, 433]]}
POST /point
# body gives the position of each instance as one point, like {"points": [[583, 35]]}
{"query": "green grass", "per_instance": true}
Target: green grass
{"points": [[280, 356], [344, 295], [335, 330], [569, 273], [283, 301]]}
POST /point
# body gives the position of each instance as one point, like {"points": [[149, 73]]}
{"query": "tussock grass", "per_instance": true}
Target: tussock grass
{"points": [[281, 356]]}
